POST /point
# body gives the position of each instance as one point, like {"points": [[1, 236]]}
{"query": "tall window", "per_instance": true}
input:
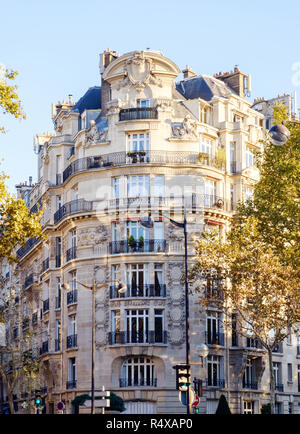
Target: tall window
{"points": [[215, 371], [116, 187], [72, 238], [249, 157], [158, 325], [290, 372], [233, 157], [58, 252], [138, 142], [135, 229], [210, 192], [248, 407], [138, 186], [71, 372], [277, 373], [138, 371], [57, 335], [249, 379], [138, 279], [158, 279], [72, 280], [207, 146], [158, 189], [137, 325], [58, 169], [213, 334], [249, 193], [58, 294]]}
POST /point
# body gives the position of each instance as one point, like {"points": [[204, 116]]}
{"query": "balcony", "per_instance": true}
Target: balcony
{"points": [[136, 246], [133, 338], [136, 113], [141, 382], [29, 280], [44, 348], [71, 254], [142, 291], [72, 297], [72, 207], [71, 341], [214, 338], [250, 385], [215, 382], [71, 384], [46, 305], [159, 157], [29, 244], [45, 265]]}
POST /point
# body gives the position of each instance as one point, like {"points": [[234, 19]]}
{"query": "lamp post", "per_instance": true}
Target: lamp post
{"points": [[148, 222], [93, 288]]}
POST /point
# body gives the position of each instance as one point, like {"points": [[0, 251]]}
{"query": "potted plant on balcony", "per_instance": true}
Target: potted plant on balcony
{"points": [[132, 242], [141, 243], [133, 156], [203, 157], [141, 155]]}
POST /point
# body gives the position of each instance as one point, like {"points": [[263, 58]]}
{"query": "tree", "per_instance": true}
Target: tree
{"points": [[253, 283], [19, 359], [9, 100], [17, 224], [276, 201], [223, 407]]}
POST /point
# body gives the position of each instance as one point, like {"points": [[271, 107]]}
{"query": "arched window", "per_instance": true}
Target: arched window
{"points": [[138, 371]]}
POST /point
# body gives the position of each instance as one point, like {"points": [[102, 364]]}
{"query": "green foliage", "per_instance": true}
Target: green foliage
{"points": [[16, 222], [266, 409], [280, 113], [9, 100], [223, 407], [116, 403], [131, 241]]}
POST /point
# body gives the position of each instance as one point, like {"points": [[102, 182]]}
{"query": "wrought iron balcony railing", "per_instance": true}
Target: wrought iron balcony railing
{"points": [[45, 265], [250, 385], [141, 382], [253, 343], [214, 338], [151, 157], [71, 253], [71, 384], [72, 296], [143, 291], [72, 341], [215, 382], [72, 207], [135, 113], [46, 305], [29, 280], [133, 338], [29, 244], [136, 246]]}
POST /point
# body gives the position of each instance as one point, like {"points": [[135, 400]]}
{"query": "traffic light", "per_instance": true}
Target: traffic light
{"points": [[38, 400], [183, 375]]}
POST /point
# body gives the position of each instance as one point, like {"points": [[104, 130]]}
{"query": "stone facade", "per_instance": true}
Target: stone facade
{"points": [[108, 164]]}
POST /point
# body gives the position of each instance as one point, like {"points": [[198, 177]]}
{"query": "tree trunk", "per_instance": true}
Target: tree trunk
{"points": [[9, 392], [272, 381]]}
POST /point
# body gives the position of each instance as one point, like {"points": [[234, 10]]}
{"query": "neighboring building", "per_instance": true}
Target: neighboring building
{"points": [[265, 107], [124, 151]]}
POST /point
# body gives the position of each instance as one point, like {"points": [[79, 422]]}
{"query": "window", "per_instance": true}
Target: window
{"points": [[138, 142], [158, 325], [215, 371], [58, 169], [137, 326], [135, 229], [249, 379], [213, 334], [248, 407], [232, 197], [137, 279], [141, 103], [116, 188], [72, 280], [207, 146], [233, 157], [234, 335], [71, 373], [115, 231], [298, 372], [58, 294], [115, 321], [57, 335], [158, 279], [58, 252], [138, 371], [72, 238], [58, 202], [277, 375], [290, 372], [249, 157], [138, 186], [248, 193], [158, 186], [210, 192]]}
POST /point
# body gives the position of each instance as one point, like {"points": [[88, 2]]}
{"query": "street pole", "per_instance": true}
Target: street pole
{"points": [[187, 314], [93, 350]]}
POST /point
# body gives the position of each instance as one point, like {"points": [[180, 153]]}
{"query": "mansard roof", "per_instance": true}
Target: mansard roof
{"points": [[204, 87], [91, 100]]}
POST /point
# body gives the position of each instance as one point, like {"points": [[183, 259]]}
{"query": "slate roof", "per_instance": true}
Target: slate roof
{"points": [[91, 100], [204, 87]]}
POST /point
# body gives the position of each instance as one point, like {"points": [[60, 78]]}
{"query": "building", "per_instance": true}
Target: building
{"points": [[141, 145]]}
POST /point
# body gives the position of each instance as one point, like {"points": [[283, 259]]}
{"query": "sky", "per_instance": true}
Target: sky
{"points": [[55, 47]]}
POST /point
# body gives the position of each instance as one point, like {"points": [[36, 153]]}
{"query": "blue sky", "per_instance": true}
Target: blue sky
{"points": [[55, 46]]}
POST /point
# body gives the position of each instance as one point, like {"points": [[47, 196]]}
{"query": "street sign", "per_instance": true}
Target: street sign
{"points": [[60, 405], [182, 396], [196, 401]]}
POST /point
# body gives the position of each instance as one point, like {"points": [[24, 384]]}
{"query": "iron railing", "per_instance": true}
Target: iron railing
{"points": [[71, 341], [250, 385], [135, 113], [137, 337], [136, 246], [46, 305], [28, 245], [151, 157], [140, 382], [145, 290], [72, 207], [71, 384], [215, 382], [214, 338], [72, 296], [71, 253], [45, 265]]}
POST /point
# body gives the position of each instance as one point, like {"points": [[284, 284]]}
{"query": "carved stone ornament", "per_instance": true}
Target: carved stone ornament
{"points": [[176, 336], [187, 129], [93, 135], [138, 72]]}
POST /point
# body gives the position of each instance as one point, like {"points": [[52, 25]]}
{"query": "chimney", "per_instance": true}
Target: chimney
{"points": [[105, 59], [187, 72], [237, 80]]}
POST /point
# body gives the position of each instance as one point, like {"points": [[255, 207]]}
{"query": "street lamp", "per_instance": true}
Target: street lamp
{"points": [[279, 134], [148, 222], [121, 288]]}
